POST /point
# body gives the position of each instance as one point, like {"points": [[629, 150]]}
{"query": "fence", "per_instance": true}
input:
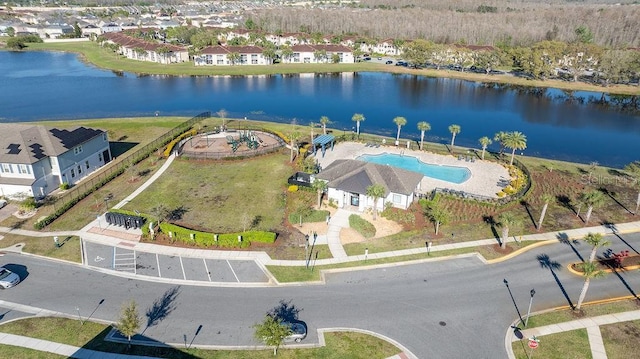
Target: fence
{"points": [[119, 165], [239, 153]]}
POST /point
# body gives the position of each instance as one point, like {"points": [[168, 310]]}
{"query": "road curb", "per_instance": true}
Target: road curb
{"points": [[521, 251]]}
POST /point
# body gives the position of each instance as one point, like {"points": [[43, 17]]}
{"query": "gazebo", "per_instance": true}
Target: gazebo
{"points": [[323, 141]]}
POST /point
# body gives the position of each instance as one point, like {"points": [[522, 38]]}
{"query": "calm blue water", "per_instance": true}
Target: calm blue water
{"points": [[451, 174], [49, 86]]}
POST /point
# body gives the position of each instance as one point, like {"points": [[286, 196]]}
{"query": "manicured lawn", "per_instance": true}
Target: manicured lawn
{"points": [[566, 315], [44, 246], [9, 351], [106, 58], [566, 345], [215, 196], [90, 335], [621, 339]]}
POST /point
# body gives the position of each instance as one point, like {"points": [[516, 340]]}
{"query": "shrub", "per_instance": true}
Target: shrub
{"points": [[333, 203], [175, 141], [399, 215], [29, 204], [64, 186], [366, 229], [206, 239]]}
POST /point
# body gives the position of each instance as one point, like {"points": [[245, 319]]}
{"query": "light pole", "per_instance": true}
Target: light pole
{"points": [[306, 250], [532, 292]]}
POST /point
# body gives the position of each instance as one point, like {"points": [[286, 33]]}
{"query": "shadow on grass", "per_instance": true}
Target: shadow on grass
{"points": [[110, 341], [527, 207], [120, 147], [612, 196]]}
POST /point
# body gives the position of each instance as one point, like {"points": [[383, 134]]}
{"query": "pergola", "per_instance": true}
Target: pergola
{"points": [[323, 141]]}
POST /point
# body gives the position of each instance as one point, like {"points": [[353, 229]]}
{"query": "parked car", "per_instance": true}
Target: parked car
{"points": [[379, 58], [367, 58], [8, 279], [3, 203], [298, 332], [389, 62]]}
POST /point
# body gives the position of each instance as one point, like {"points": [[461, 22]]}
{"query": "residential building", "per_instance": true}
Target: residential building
{"points": [[35, 160], [348, 180], [222, 56]]}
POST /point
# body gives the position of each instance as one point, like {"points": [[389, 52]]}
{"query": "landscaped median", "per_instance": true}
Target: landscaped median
{"points": [[91, 335]]}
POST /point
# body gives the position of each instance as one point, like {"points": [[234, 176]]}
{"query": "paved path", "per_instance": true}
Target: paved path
{"points": [[592, 324], [339, 220]]}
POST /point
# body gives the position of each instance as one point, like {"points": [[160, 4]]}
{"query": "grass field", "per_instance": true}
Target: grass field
{"points": [[90, 335], [44, 246], [106, 58], [218, 196]]}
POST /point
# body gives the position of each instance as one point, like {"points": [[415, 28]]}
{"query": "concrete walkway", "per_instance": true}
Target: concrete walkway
{"points": [[339, 220], [592, 325], [61, 349]]}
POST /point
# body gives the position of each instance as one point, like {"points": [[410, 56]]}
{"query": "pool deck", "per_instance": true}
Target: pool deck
{"points": [[487, 178]]}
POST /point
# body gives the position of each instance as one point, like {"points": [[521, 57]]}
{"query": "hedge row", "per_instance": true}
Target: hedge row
{"points": [[226, 240], [60, 211], [171, 144]]}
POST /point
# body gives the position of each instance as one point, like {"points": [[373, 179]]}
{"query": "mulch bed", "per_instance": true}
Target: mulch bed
{"points": [[612, 264]]}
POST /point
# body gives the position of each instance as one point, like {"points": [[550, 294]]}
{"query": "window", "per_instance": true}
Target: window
{"points": [[220, 59], [254, 59], [6, 168], [23, 169], [86, 163], [77, 150], [79, 169], [73, 173], [397, 199], [243, 58], [99, 156], [104, 137]]}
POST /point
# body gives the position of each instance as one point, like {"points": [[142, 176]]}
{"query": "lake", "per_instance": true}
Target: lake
{"points": [[569, 126]]}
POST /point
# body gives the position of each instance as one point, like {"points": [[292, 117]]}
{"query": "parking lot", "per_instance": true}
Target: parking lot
{"points": [[174, 267]]}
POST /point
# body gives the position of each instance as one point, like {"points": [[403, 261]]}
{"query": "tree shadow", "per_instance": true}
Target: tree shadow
{"points": [[582, 171], [565, 202], [527, 207], [614, 230], [256, 221], [491, 221], [162, 307], [615, 269], [285, 311], [564, 239], [546, 262], [177, 213], [612, 196]]}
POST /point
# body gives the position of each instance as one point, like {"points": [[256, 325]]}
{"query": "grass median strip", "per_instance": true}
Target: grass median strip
{"points": [[69, 249], [91, 336]]}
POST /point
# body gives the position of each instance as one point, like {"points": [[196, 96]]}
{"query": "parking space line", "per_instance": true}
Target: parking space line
{"points": [[207, 269], [113, 263], [184, 275], [158, 264], [135, 266], [232, 271]]}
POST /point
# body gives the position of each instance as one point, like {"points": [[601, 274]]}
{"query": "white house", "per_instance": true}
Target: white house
{"points": [[219, 56], [315, 54], [347, 182], [36, 160], [137, 49]]}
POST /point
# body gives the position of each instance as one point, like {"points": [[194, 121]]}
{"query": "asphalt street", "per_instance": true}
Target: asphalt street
{"points": [[456, 308]]}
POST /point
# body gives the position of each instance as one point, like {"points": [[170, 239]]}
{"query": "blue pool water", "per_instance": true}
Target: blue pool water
{"points": [[444, 173]]}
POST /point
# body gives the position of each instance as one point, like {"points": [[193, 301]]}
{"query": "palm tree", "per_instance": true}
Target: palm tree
{"points": [[500, 137], [592, 199], [399, 121], [637, 199], [294, 137], [546, 198], [376, 191], [484, 142], [320, 186], [595, 240], [423, 127], [516, 141], [454, 129], [589, 271], [358, 117], [324, 121], [506, 220]]}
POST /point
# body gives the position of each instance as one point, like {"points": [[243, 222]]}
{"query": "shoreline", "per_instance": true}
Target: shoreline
{"points": [[90, 52]]}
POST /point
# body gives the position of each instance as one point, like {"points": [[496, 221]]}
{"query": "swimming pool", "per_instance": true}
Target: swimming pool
{"points": [[451, 174]]}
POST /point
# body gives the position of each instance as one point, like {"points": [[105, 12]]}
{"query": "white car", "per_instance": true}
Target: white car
{"points": [[2, 203], [8, 279], [298, 332]]}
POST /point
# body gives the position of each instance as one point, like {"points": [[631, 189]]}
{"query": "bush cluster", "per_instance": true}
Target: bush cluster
{"points": [[366, 229], [172, 144], [205, 239]]}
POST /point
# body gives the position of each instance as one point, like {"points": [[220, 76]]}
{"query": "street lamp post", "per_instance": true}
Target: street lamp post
{"points": [[532, 292]]}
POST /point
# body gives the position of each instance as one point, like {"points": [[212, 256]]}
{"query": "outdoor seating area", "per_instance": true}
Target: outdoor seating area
{"points": [[470, 158]]}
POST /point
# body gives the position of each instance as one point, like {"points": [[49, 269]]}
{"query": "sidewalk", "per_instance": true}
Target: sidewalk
{"points": [[591, 324], [62, 349]]}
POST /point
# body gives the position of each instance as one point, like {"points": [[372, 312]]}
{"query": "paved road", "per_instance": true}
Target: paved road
{"points": [[456, 308]]}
